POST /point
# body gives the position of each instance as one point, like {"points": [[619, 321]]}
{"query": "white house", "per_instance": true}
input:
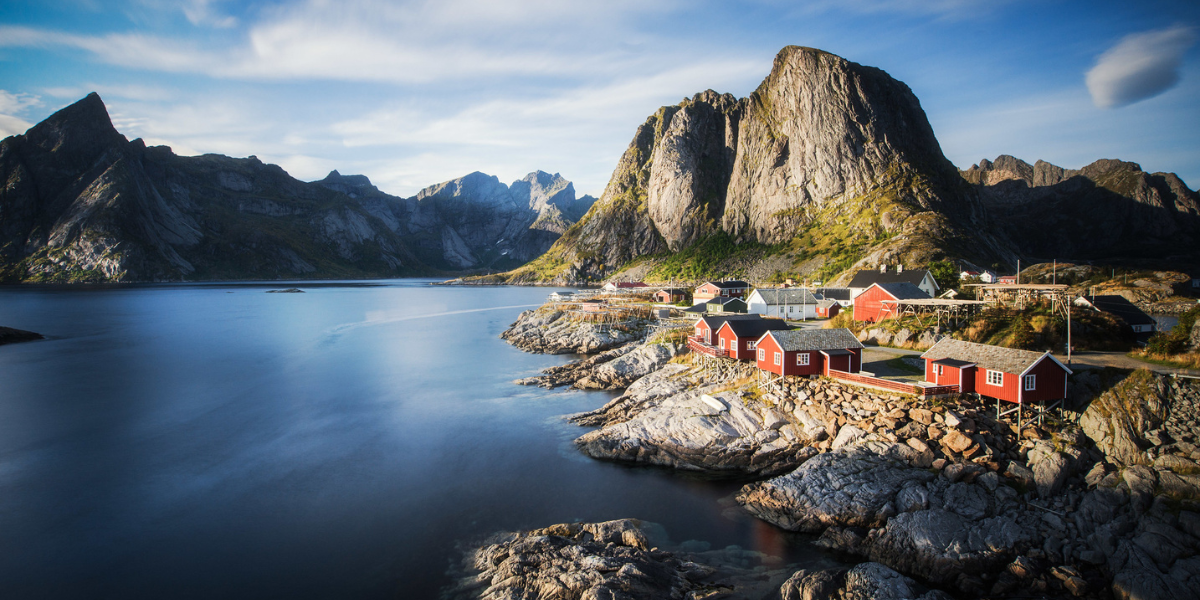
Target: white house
{"points": [[984, 276], [785, 303]]}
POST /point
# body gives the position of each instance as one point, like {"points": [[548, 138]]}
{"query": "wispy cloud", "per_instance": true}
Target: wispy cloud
{"points": [[1140, 66], [12, 105]]}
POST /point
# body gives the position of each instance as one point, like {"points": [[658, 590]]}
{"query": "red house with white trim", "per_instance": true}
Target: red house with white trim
{"points": [[878, 302], [1018, 376], [719, 289], [739, 337], [809, 351]]}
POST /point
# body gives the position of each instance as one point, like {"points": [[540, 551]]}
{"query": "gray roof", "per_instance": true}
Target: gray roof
{"points": [[864, 279], [816, 339], [904, 291], [1123, 309], [1009, 360], [826, 303], [781, 296], [842, 294]]}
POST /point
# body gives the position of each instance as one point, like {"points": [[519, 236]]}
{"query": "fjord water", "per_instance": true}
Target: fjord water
{"points": [[213, 440]]}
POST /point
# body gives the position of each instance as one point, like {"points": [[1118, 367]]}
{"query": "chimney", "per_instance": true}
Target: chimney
{"points": [[900, 268], [883, 268]]}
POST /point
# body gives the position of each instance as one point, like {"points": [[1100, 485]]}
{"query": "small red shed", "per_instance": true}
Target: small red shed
{"points": [[739, 337], [1018, 376], [828, 308], [878, 302], [809, 351]]}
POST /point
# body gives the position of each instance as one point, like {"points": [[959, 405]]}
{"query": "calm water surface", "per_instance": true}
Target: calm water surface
{"points": [[191, 441]]}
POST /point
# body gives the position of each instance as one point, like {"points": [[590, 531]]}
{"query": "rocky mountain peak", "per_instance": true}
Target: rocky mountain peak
{"points": [[77, 134], [351, 185]]}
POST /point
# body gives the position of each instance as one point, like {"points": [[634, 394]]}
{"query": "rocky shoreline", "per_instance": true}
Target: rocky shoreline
{"points": [[8, 335], [1100, 501]]}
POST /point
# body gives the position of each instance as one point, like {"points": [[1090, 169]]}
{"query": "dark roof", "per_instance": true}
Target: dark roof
{"points": [[732, 283], [697, 308], [953, 362], [1123, 309], [864, 279], [716, 321], [1009, 360], [672, 290], [904, 291], [779, 296], [816, 339], [755, 328], [723, 300], [842, 294]]}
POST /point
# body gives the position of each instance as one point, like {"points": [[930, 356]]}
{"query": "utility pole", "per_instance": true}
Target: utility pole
{"points": [[1068, 329], [1018, 271], [1054, 275]]}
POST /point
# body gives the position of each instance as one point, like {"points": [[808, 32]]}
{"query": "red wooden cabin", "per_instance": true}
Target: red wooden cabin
{"points": [[739, 337], [1018, 376], [719, 289], [878, 302], [809, 352], [669, 295], [706, 328]]}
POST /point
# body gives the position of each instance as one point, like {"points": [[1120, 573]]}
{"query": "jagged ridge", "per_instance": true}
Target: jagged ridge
{"points": [[81, 203]]}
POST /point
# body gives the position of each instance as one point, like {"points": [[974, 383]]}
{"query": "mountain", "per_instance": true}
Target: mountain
{"points": [[1107, 210], [82, 203], [826, 165]]}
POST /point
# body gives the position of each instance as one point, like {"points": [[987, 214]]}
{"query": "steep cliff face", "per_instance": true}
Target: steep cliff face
{"points": [[81, 203], [828, 161], [1108, 209]]}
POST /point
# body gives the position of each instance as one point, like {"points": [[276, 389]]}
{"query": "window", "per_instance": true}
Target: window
{"points": [[1030, 382], [939, 370], [995, 378], [802, 358], [722, 343], [779, 358], [751, 345], [762, 354]]}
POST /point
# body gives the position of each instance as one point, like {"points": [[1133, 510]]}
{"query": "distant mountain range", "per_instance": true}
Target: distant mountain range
{"points": [[827, 167], [830, 166], [81, 203]]}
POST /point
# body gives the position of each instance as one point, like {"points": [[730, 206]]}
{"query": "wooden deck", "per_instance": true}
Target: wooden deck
{"points": [[892, 385], [697, 345]]}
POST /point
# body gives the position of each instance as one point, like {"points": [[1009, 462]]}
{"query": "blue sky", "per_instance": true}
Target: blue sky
{"points": [[414, 93]]}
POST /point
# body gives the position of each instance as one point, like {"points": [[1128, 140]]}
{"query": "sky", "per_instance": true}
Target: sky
{"points": [[415, 93]]}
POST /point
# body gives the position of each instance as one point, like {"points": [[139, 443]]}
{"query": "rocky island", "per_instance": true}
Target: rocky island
{"points": [[8, 335]]}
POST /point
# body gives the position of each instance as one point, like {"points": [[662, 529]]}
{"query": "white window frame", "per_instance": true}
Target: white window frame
{"points": [[762, 354], [999, 376], [939, 370], [751, 345], [1031, 382], [803, 359], [722, 340], [779, 358]]}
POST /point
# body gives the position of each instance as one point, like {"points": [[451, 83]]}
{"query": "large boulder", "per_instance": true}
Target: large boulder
{"points": [[1118, 420], [865, 581]]}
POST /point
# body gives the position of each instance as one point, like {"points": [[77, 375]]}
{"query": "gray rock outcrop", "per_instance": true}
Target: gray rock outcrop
{"points": [[865, 581], [551, 331], [609, 560]]}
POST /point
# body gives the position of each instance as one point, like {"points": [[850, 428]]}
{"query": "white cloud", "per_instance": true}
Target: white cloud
{"points": [[10, 106], [10, 125], [145, 93], [1140, 66]]}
